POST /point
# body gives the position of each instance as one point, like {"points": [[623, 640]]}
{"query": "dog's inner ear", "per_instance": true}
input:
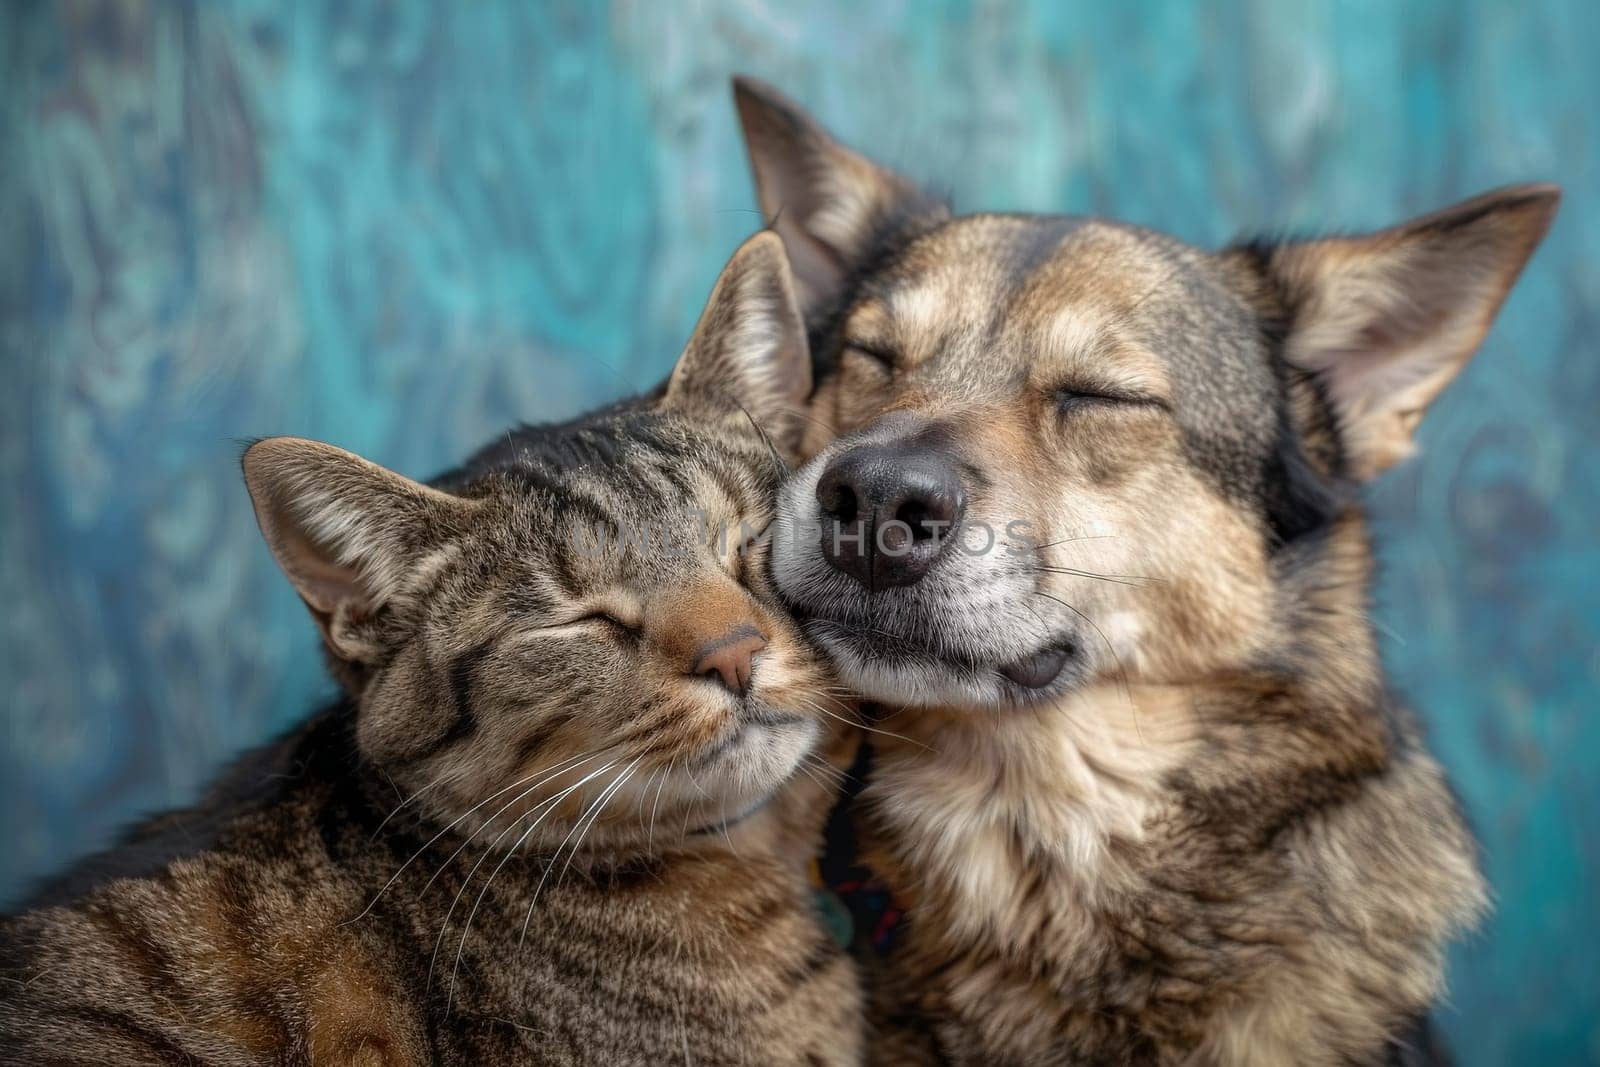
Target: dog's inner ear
{"points": [[748, 355], [1386, 321], [348, 533], [828, 202]]}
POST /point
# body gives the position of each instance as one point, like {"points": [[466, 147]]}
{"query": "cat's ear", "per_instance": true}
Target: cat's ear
{"points": [[349, 534], [748, 353], [828, 203], [1385, 321]]}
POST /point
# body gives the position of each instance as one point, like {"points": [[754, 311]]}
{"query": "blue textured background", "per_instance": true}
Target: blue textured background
{"points": [[400, 226]]}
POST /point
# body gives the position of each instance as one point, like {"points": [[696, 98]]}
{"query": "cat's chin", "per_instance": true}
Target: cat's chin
{"points": [[739, 774]]}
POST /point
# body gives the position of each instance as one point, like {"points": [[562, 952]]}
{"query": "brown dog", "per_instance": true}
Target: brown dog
{"points": [[1092, 535]]}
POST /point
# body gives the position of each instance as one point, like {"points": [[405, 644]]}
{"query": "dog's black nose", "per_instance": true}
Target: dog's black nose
{"points": [[888, 511]]}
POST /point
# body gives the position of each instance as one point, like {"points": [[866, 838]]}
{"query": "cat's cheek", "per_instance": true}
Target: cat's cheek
{"points": [[396, 722]]}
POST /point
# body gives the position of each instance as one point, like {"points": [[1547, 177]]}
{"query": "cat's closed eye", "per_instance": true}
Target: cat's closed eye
{"points": [[615, 623], [618, 623], [625, 626]]}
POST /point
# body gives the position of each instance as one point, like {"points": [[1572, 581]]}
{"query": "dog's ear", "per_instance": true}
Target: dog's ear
{"points": [[1385, 321], [348, 534], [829, 203], [748, 354]]}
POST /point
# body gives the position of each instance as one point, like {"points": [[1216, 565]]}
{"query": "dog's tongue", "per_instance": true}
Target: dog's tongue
{"points": [[1039, 669]]}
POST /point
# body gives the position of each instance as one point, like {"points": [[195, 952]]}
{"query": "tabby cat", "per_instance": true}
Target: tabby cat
{"points": [[565, 810]]}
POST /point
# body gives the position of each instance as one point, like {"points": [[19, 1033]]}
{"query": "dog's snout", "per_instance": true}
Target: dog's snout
{"points": [[888, 512]]}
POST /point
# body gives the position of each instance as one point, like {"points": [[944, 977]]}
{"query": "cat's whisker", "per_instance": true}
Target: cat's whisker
{"points": [[801, 768], [838, 775], [772, 449], [548, 806], [823, 783], [450, 826], [466, 883], [696, 783], [599, 809], [522, 937], [508, 805], [644, 791], [512, 851], [861, 723], [650, 840], [836, 772], [650, 780], [409, 800]]}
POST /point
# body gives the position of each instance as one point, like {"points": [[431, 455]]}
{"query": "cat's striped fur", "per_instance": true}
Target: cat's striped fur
{"points": [[602, 854]]}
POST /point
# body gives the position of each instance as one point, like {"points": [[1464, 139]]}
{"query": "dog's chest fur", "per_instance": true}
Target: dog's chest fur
{"points": [[1074, 896], [1068, 788]]}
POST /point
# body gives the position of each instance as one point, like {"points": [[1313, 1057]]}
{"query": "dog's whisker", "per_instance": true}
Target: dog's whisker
{"points": [[1063, 541], [1122, 671], [1118, 579]]}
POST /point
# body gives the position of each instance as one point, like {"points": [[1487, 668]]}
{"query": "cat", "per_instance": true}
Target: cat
{"points": [[565, 809]]}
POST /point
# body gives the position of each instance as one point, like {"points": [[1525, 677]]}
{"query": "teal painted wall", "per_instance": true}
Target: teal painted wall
{"points": [[400, 226]]}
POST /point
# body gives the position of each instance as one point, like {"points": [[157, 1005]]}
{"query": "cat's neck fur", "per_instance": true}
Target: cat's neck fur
{"points": [[341, 933]]}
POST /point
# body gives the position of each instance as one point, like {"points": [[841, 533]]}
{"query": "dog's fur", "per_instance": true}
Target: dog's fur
{"points": [[1214, 837]]}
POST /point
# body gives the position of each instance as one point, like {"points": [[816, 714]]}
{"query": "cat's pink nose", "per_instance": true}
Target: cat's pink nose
{"points": [[729, 658]]}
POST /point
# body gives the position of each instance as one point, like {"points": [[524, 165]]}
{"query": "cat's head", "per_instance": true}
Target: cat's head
{"points": [[574, 622]]}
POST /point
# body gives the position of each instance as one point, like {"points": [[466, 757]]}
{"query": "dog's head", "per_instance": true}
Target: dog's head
{"points": [[1072, 448]]}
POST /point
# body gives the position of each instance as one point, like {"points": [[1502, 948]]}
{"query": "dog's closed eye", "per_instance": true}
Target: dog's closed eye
{"points": [[1071, 399], [880, 354]]}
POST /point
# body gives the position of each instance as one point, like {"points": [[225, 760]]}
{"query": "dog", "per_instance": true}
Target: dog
{"points": [[1082, 517]]}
